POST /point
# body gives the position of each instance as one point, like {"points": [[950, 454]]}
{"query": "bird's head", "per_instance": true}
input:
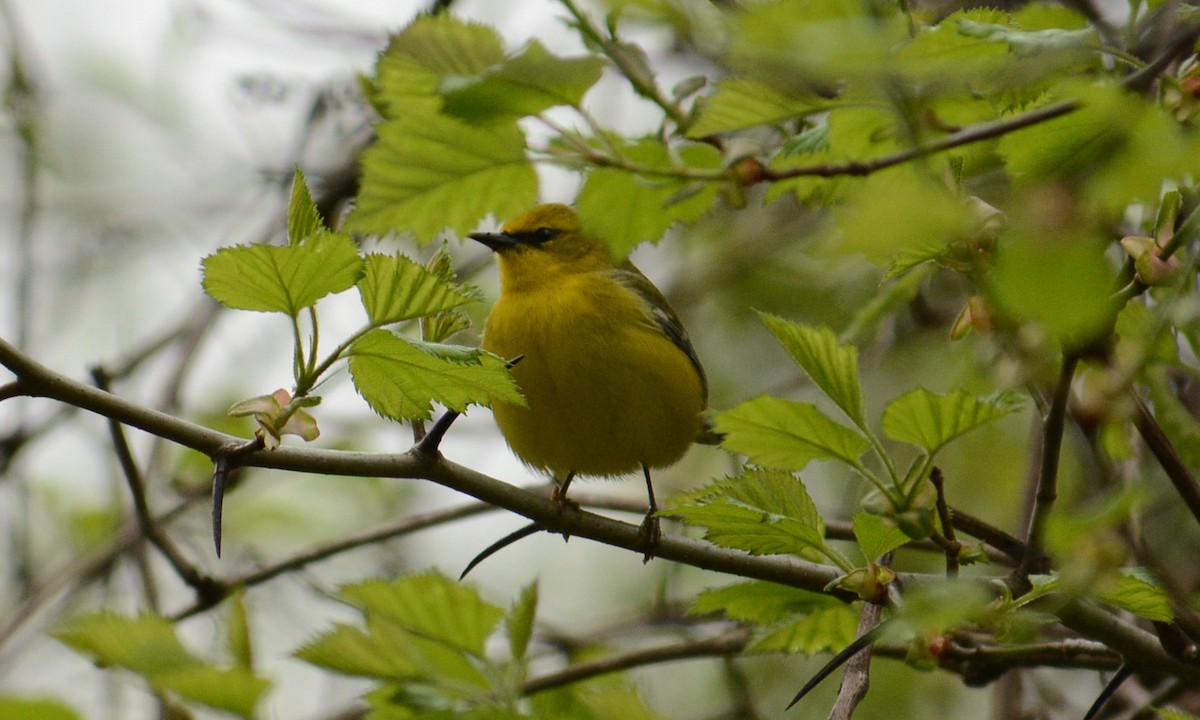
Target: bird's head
{"points": [[546, 241]]}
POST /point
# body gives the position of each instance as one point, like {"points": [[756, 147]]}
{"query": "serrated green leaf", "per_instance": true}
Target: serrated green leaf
{"points": [[394, 288], [523, 85], [929, 420], [1029, 42], [739, 103], [763, 512], [143, 644], [351, 651], [236, 691], [876, 537], [786, 434], [148, 646], [626, 209], [34, 709], [400, 380], [760, 602], [432, 606], [1134, 590], [428, 173], [520, 621], [827, 629], [833, 367], [449, 45], [303, 219], [286, 279]]}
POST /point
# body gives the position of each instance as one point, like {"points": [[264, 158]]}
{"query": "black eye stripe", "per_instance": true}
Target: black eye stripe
{"points": [[535, 237]]}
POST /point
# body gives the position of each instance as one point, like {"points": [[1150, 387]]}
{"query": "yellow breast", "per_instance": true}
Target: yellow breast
{"points": [[607, 392]]}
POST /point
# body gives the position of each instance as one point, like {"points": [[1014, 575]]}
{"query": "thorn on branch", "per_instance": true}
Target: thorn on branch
{"points": [[224, 463], [1123, 673], [500, 544], [862, 642]]}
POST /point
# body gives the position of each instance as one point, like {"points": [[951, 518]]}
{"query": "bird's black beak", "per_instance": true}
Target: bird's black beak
{"points": [[494, 241]]}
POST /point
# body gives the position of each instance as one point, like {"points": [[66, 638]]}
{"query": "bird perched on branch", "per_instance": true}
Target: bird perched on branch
{"points": [[612, 382]]}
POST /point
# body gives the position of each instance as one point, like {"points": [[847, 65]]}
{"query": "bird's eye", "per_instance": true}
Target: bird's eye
{"points": [[545, 234]]}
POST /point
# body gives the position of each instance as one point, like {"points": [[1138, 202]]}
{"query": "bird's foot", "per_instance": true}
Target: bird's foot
{"points": [[648, 536], [559, 496]]}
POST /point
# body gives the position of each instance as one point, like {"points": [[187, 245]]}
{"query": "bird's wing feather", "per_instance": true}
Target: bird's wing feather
{"points": [[663, 317]]}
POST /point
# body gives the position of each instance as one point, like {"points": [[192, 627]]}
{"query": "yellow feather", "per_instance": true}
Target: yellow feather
{"points": [[608, 389]]}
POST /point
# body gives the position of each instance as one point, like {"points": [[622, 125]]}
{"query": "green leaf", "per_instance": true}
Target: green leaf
{"points": [[285, 279], [833, 367], [303, 219], [520, 621], [148, 646], [876, 537], [400, 379], [432, 606], [1061, 283], [826, 629], [786, 434], [929, 421], [740, 103], [1169, 714], [34, 709], [1134, 590], [1180, 426], [238, 636], [760, 602], [394, 288], [626, 209], [427, 173], [448, 45], [351, 651], [524, 85], [900, 216], [236, 691], [763, 512]]}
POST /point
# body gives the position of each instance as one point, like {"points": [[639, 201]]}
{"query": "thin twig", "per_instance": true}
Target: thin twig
{"points": [[1047, 489], [729, 643], [953, 547], [1160, 445]]}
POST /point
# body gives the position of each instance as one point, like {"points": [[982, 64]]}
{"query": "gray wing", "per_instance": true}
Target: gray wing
{"points": [[661, 314]]}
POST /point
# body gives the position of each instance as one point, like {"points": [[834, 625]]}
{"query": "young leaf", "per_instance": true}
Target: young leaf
{"points": [[785, 434], [626, 209], [520, 621], [394, 288], [833, 367], [740, 103], [875, 537], [351, 651], [829, 628], [285, 279], [929, 421], [431, 606], [303, 220], [524, 85], [763, 512], [148, 646], [400, 379], [1135, 591], [238, 635], [424, 174], [760, 602], [31, 709]]}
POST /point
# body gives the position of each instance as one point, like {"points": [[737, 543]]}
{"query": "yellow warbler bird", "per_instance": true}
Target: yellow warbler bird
{"points": [[611, 380]]}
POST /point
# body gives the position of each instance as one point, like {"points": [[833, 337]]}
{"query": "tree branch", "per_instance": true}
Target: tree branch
{"points": [[1047, 489], [1159, 444]]}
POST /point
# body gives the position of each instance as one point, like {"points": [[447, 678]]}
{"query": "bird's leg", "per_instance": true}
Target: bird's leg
{"points": [[650, 532], [559, 495]]}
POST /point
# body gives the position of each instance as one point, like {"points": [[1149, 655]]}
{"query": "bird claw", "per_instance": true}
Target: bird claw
{"points": [[649, 534]]}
